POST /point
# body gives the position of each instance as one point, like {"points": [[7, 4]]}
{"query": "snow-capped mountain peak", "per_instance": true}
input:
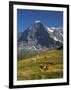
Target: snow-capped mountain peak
{"points": [[39, 35]]}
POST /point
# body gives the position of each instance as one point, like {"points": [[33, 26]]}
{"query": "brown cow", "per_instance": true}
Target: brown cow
{"points": [[43, 67]]}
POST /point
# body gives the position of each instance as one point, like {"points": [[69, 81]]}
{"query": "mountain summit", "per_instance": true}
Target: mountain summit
{"points": [[38, 37]]}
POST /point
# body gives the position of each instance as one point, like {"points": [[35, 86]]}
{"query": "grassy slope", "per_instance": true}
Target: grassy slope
{"points": [[29, 69]]}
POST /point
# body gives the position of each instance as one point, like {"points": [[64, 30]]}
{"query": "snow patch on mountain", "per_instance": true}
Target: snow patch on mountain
{"points": [[37, 21], [55, 38], [49, 30]]}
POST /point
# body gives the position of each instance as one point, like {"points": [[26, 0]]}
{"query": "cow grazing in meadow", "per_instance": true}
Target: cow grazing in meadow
{"points": [[43, 67]]}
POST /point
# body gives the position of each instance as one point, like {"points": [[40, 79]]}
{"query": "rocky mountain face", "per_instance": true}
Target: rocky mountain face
{"points": [[39, 37]]}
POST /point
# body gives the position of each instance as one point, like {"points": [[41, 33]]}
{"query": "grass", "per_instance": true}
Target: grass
{"points": [[29, 68]]}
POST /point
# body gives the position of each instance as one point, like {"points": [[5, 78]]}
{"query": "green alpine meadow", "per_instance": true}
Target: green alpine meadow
{"points": [[30, 68]]}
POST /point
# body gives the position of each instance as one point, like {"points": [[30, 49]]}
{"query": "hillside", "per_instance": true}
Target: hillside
{"points": [[29, 68]]}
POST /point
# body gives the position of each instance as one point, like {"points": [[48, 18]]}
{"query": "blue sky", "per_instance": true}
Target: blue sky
{"points": [[26, 18]]}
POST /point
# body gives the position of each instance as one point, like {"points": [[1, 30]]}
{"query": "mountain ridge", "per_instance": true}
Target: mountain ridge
{"points": [[39, 34], [38, 37]]}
